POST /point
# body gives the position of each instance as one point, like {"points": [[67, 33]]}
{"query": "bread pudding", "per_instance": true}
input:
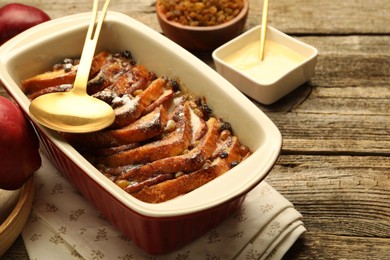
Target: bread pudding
{"points": [[164, 141]]}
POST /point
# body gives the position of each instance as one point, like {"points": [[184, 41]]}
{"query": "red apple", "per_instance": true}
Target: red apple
{"points": [[19, 147], [15, 18]]}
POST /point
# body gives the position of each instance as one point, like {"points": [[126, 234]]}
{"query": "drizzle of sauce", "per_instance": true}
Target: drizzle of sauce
{"points": [[278, 60]]}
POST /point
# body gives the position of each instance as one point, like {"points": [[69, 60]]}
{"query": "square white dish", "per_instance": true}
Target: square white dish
{"points": [[280, 80]]}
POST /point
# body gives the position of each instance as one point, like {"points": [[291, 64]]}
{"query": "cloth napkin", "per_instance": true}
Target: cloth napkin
{"points": [[63, 225]]}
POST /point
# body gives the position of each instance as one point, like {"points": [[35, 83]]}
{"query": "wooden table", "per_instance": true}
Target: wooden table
{"points": [[335, 161]]}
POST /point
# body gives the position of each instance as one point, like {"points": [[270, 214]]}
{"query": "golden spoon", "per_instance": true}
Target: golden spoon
{"points": [[75, 111], [264, 21]]}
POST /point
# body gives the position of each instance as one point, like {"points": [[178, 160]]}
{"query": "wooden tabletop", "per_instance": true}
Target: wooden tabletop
{"points": [[335, 161]]}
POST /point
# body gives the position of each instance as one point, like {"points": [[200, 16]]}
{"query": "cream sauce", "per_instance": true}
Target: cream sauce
{"points": [[278, 60]]}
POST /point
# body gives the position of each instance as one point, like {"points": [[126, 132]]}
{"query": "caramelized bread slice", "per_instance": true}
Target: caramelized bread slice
{"points": [[132, 108], [166, 96], [169, 189], [104, 152], [172, 144], [107, 75], [187, 162], [58, 88], [99, 60], [143, 129], [105, 78], [48, 79], [60, 76], [137, 78]]}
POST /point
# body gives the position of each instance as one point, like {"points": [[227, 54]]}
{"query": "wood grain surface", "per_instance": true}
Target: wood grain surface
{"points": [[335, 161]]}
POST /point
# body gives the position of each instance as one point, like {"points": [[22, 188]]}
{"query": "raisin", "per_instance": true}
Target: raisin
{"points": [[223, 155], [207, 111], [68, 61], [244, 150], [175, 85], [198, 101], [234, 164], [127, 55], [225, 126], [68, 67]]}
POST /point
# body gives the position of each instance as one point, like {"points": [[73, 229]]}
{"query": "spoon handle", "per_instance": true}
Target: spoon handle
{"points": [[263, 29], [80, 83]]}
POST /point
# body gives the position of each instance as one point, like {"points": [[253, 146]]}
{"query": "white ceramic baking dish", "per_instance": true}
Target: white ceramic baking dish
{"points": [[156, 228]]}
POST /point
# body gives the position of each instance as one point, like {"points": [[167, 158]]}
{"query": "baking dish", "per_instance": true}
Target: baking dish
{"points": [[156, 228]]}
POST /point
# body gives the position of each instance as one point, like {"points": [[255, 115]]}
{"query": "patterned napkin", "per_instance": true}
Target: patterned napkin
{"points": [[63, 225]]}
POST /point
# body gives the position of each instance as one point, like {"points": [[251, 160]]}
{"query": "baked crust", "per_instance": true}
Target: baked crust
{"points": [[185, 162], [172, 144], [171, 188], [142, 129], [61, 75]]}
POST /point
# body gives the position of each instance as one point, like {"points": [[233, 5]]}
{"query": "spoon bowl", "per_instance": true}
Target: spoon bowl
{"points": [[72, 113], [75, 111]]}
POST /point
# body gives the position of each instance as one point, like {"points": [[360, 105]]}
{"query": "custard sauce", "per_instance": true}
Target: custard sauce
{"points": [[278, 60]]}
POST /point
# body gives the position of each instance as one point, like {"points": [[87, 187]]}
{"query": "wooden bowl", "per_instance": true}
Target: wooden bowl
{"points": [[202, 38], [13, 225]]}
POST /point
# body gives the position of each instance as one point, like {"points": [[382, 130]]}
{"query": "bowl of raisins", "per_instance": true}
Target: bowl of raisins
{"points": [[202, 25]]}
